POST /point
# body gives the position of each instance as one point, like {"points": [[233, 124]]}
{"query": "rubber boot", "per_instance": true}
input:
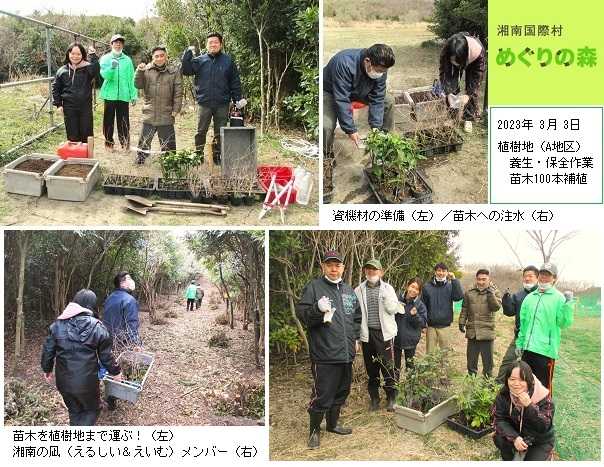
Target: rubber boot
{"points": [[374, 405], [314, 438], [391, 401], [333, 426]]}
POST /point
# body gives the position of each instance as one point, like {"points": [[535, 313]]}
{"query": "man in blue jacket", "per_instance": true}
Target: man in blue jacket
{"points": [[356, 75], [217, 84], [438, 295], [120, 316]]}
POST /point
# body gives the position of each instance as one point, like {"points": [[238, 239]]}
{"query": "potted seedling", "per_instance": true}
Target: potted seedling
{"points": [[116, 184], [392, 173], [175, 165], [423, 401], [135, 367], [475, 401], [436, 141]]}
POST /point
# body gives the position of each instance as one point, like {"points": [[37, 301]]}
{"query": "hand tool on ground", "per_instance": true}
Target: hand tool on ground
{"points": [[265, 204], [151, 203], [175, 210], [287, 198]]}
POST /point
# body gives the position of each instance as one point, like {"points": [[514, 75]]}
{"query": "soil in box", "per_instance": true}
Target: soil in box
{"points": [[38, 166], [74, 170], [459, 423]]}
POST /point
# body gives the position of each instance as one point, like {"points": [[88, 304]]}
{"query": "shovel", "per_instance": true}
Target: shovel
{"points": [[148, 203], [177, 210]]}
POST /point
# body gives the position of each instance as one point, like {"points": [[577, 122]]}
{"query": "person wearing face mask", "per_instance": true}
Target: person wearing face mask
{"points": [[477, 321], [411, 318], [379, 304], [544, 313], [356, 75], [523, 417], [118, 92], [438, 295], [217, 84], [330, 310], [463, 53], [162, 85], [72, 91], [511, 304], [76, 343]]}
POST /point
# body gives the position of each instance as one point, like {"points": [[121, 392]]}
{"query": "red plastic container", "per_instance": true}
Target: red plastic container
{"points": [[356, 105], [284, 174], [69, 149]]}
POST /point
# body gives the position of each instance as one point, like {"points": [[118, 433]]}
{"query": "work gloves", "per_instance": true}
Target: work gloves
{"points": [[324, 305], [568, 295], [241, 103], [115, 63]]}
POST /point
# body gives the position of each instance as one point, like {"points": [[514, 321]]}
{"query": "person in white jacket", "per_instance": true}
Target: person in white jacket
{"points": [[379, 304]]}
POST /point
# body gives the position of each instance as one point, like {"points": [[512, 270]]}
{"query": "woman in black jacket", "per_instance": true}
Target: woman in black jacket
{"points": [[409, 320], [72, 91], [76, 342], [523, 417]]}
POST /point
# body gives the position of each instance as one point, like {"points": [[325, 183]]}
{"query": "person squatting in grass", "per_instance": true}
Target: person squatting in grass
{"points": [[511, 304], [330, 310], [356, 75], [72, 91], [523, 417], [544, 313], [76, 343], [379, 305], [411, 318], [438, 295], [477, 322], [118, 92], [191, 295], [463, 53], [162, 85]]}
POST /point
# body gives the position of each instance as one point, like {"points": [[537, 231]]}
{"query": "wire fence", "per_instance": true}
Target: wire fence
{"points": [[49, 28]]}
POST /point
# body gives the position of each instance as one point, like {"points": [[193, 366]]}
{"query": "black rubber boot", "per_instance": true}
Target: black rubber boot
{"points": [[374, 405], [390, 403], [314, 438], [332, 422]]}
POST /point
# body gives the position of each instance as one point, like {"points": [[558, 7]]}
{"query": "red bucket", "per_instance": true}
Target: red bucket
{"points": [[70, 149], [283, 175]]}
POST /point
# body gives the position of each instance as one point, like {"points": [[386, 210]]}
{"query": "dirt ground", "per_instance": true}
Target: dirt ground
{"points": [[375, 434], [460, 177], [103, 209], [187, 377]]}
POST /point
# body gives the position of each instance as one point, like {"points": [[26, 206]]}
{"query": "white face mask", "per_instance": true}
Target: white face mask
{"points": [[545, 286], [129, 284], [337, 281], [439, 279], [372, 279], [528, 285], [373, 74]]}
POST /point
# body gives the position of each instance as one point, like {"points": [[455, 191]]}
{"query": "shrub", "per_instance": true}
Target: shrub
{"points": [[476, 399], [219, 339]]}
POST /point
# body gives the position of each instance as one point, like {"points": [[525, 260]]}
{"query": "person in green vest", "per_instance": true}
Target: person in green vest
{"points": [[117, 92], [191, 295]]}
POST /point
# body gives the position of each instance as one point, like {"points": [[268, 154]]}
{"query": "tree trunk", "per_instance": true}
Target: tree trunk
{"points": [[20, 324], [292, 308]]}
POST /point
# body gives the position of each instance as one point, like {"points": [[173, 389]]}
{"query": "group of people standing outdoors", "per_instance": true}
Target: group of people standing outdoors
{"points": [[78, 348], [386, 326], [216, 81], [194, 295]]}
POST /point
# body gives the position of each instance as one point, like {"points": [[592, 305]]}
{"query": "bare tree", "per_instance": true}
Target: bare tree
{"points": [[547, 242], [23, 243]]}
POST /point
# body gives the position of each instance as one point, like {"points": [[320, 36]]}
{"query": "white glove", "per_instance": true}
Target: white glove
{"points": [[328, 315], [115, 63], [324, 304], [569, 295], [241, 103]]}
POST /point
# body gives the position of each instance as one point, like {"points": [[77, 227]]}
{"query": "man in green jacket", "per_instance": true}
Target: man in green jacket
{"points": [[544, 313], [118, 92], [477, 321], [162, 84]]}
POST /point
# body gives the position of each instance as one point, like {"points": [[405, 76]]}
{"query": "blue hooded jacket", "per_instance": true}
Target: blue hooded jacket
{"points": [[120, 316], [345, 78]]}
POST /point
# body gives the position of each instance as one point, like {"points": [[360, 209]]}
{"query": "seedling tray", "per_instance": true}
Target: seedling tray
{"points": [[129, 185], [430, 146], [425, 196], [465, 430]]}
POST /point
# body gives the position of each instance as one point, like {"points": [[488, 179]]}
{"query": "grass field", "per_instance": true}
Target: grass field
{"points": [[376, 436], [460, 177]]}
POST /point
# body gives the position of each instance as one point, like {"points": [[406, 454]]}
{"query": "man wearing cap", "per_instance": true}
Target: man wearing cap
{"points": [[162, 84], [217, 84], [379, 304], [511, 303], [438, 295], [331, 312], [544, 313], [117, 92]]}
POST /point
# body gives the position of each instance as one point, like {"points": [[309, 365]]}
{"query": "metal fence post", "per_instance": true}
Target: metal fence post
{"points": [[49, 66]]}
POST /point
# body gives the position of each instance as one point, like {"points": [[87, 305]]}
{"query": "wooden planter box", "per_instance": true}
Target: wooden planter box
{"points": [[425, 105], [423, 423], [129, 185], [27, 183], [423, 197], [72, 188], [456, 425]]}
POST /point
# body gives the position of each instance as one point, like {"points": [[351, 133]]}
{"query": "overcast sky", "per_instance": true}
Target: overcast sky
{"points": [[579, 259], [135, 9]]}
